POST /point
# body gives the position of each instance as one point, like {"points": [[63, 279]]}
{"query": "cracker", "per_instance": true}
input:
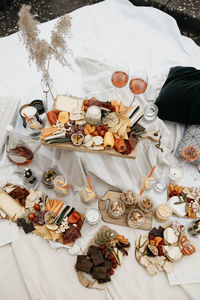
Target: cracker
{"points": [[43, 231]]}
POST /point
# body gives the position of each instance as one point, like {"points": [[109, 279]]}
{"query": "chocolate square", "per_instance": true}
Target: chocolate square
{"points": [[21, 222], [84, 263], [107, 279], [97, 257], [92, 249], [28, 227], [154, 231], [108, 264], [100, 272], [160, 231]]}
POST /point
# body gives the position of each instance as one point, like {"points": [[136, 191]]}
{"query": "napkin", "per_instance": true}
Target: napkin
{"points": [[186, 271], [9, 232], [8, 107]]}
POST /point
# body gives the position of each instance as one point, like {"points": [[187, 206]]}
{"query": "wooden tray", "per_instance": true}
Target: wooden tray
{"points": [[123, 219], [153, 136]]}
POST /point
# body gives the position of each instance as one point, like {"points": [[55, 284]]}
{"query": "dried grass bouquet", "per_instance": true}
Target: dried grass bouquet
{"points": [[40, 51]]}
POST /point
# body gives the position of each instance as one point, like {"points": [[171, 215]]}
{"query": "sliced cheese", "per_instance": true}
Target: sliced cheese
{"points": [[10, 206], [178, 209], [68, 103], [172, 252], [170, 236]]}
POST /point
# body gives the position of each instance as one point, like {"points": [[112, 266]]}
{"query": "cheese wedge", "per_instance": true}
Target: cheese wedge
{"points": [[68, 103], [10, 206]]}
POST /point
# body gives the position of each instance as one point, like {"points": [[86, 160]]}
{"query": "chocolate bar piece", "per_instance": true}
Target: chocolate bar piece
{"points": [[107, 279], [28, 227], [92, 249], [154, 231], [160, 231], [84, 263], [108, 264], [97, 257], [99, 273], [21, 222]]}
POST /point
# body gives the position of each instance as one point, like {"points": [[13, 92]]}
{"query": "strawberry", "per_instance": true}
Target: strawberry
{"points": [[102, 247], [114, 266], [110, 256], [114, 261], [103, 251], [111, 272]]}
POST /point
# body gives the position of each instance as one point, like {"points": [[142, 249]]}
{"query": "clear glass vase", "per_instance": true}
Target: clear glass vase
{"points": [[47, 83]]}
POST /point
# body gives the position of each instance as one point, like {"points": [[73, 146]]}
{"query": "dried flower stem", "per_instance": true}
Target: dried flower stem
{"points": [[40, 51]]}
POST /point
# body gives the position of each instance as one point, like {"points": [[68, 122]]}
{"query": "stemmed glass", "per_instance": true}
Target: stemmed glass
{"points": [[46, 83], [138, 83], [190, 152], [120, 76]]}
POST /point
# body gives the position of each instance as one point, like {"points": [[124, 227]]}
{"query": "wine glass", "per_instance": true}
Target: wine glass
{"points": [[46, 83], [138, 82], [190, 152], [120, 76]]}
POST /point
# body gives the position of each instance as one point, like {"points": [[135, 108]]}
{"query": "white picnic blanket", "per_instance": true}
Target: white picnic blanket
{"points": [[103, 34]]}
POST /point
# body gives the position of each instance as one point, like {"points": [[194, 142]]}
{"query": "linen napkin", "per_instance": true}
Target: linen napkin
{"points": [[187, 270], [8, 107], [9, 232]]}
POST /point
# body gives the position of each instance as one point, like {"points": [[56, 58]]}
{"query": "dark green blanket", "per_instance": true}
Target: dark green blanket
{"points": [[179, 98]]}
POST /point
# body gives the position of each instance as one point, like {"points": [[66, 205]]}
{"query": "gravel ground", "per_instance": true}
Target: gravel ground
{"points": [[46, 10]]}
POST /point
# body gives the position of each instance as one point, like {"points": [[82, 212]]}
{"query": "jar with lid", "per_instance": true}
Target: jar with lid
{"points": [[162, 213], [93, 115], [17, 149]]}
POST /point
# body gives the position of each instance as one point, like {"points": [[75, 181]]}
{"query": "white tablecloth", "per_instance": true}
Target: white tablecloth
{"points": [[107, 32]]}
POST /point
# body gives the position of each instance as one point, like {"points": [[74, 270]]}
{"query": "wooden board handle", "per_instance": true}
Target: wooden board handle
{"points": [[154, 136]]}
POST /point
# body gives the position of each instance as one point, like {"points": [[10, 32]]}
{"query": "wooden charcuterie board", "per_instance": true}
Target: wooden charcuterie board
{"points": [[153, 136], [123, 219]]}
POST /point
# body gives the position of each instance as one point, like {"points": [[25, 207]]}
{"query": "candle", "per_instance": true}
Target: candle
{"points": [[175, 173]]}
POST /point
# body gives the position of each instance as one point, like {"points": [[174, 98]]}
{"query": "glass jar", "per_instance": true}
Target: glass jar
{"points": [[135, 218], [88, 195], [92, 216], [129, 198], [163, 213], [145, 204], [48, 177], [194, 228], [116, 209], [147, 182], [62, 186], [33, 127], [93, 115]]}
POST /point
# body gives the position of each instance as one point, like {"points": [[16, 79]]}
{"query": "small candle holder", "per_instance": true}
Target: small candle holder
{"points": [[175, 173]]}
